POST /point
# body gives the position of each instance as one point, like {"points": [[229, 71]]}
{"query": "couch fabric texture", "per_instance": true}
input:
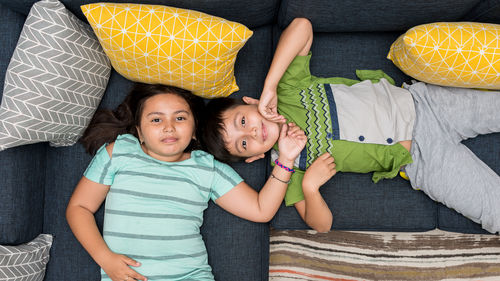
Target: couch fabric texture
{"points": [[37, 179]]}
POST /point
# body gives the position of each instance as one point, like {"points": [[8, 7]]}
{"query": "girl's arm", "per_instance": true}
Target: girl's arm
{"points": [[85, 201], [295, 40], [245, 202], [313, 209]]}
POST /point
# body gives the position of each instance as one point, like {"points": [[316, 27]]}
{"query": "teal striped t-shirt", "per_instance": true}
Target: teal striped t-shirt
{"points": [[154, 209]]}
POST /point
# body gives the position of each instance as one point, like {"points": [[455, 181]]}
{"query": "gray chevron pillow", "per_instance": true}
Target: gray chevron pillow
{"points": [[55, 79], [27, 261]]}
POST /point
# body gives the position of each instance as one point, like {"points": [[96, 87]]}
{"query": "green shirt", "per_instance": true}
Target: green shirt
{"points": [[304, 99]]}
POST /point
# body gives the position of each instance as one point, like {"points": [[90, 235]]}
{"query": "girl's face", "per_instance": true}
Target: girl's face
{"points": [[166, 128]]}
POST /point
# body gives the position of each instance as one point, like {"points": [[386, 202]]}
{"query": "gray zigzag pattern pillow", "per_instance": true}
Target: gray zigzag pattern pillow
{"points": [[27, 261], [55, 79]]}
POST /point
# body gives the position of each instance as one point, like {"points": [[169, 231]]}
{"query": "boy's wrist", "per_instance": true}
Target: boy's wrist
{"points": [[286, 162], [269, 86], [309, 190]]}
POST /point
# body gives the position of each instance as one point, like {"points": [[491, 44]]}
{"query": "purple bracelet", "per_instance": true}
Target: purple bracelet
{"points": [[283, 166]]}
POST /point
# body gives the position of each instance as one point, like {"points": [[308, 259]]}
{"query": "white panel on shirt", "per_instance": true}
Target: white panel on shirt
{"points": [[374, 112]]}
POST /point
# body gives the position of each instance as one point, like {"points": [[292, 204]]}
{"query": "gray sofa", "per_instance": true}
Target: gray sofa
{"points": [[37, 180]]}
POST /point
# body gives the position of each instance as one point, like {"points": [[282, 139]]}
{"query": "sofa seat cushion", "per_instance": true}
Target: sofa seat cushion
{"points": [[359, 204]]}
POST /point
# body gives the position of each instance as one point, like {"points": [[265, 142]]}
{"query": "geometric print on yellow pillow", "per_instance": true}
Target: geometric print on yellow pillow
{"points": [[460, 54], [167, 45]]}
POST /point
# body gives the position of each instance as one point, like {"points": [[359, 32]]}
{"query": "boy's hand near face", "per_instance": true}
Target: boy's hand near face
{"points": [[268, 106], [291, 142]]}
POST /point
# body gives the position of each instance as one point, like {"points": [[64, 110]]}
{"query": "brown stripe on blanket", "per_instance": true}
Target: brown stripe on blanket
{"points": [[343, 255]]}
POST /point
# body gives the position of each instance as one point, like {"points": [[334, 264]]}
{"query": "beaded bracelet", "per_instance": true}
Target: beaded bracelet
{"points": [[283, 166]]}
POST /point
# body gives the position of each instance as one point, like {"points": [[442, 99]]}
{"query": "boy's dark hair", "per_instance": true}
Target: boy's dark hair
{"points": [[107, 124], [212, 129]]}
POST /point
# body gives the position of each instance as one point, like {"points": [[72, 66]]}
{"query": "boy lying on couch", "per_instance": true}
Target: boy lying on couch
{"points": [[367, 126]]}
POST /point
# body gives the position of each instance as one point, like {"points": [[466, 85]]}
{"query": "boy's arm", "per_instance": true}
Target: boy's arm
{"points": [[315, 212], [313, 209], [295, 40]]}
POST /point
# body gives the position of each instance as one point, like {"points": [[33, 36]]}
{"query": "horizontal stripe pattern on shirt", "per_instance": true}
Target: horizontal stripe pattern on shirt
{"points": [[168, 257], [164, 277], [151, 237], [170, 164], [195, 167], [152, 215], [162, 177], [156, 196]]}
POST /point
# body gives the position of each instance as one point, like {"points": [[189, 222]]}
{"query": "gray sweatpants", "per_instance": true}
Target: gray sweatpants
{"points": [[444, 168]]}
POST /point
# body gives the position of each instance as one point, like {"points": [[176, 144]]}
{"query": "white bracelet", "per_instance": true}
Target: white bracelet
{"points": [[285, 182]]}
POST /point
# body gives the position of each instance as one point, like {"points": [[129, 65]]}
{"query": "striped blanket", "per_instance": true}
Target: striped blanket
{"points": [[344, 255]]}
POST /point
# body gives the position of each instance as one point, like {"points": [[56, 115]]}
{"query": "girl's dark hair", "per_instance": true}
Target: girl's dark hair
{"points": [[107, 124], [212, 129]]}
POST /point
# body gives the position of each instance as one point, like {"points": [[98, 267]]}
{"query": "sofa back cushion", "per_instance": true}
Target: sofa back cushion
{"points": [[256, 12], [382, 15]]}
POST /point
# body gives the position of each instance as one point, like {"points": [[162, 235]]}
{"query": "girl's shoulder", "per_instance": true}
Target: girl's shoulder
{"points": [[207, 160], [202, 157], [125, 143]]}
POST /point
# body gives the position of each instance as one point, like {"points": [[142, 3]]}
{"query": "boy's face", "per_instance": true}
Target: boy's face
{"points": [[247, 133]]}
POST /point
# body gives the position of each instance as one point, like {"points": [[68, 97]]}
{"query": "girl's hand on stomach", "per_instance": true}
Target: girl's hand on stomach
{"points": [[291, 142], [320, 171], [117, 267]]}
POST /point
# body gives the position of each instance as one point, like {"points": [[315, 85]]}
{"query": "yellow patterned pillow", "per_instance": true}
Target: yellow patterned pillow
{"points": [[459, 54], [166, 45]]}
